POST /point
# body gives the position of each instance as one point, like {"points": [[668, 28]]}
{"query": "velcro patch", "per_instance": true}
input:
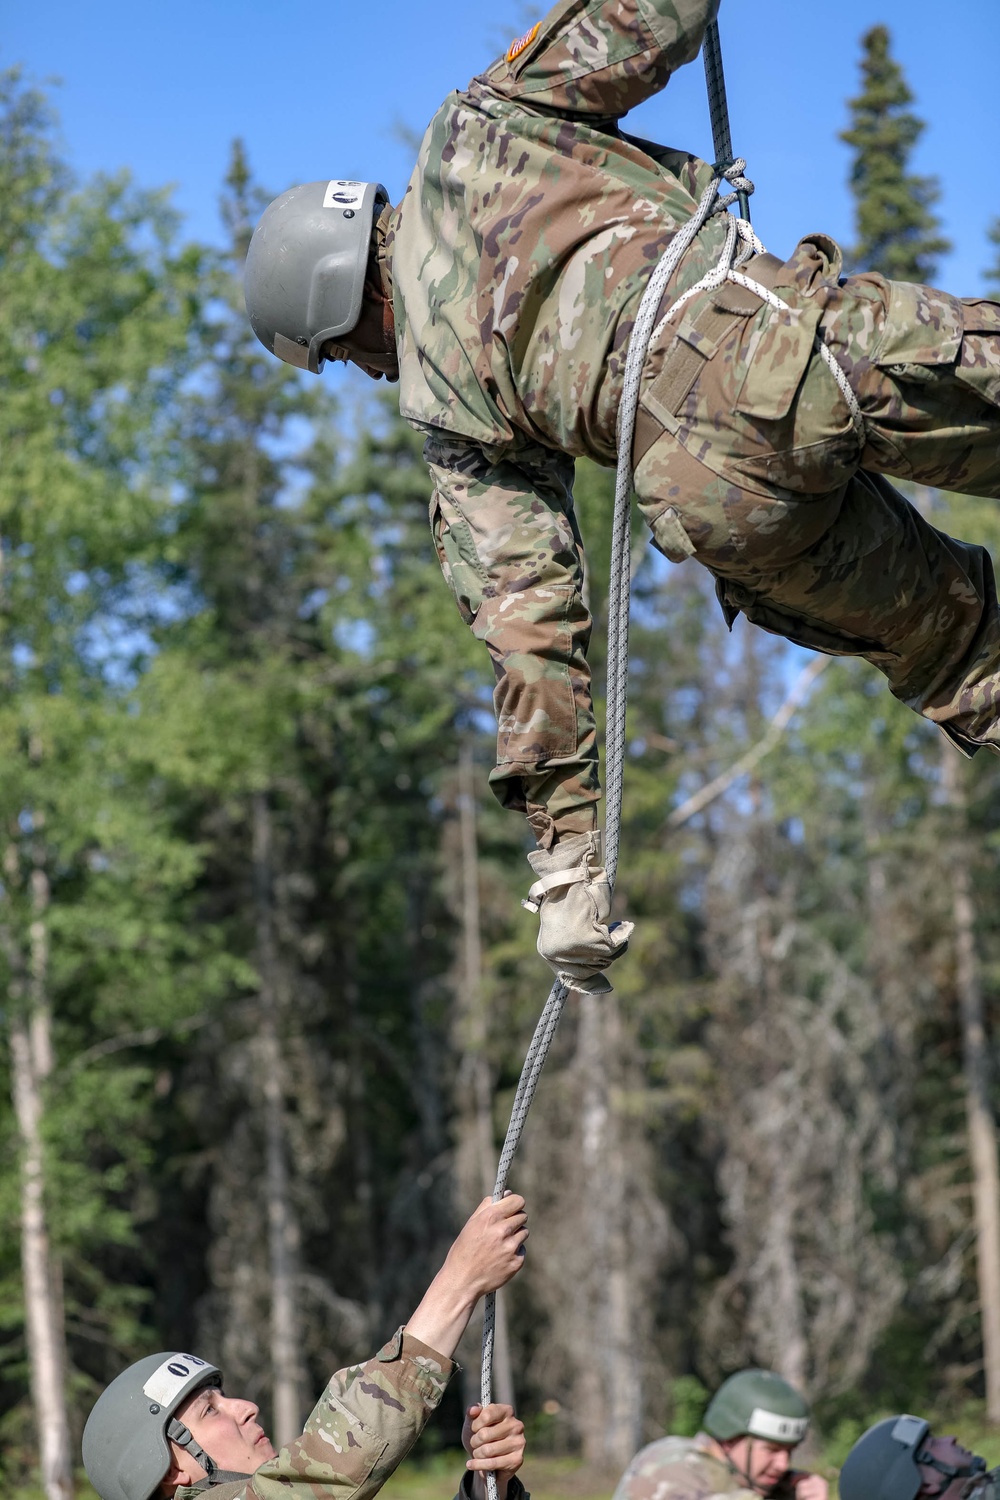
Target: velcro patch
{"points": [[523, 43], [169, 1379]]}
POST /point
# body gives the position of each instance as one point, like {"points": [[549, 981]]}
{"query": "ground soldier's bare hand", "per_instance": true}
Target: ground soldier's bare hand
{"points": [[487, 1253], [811, 1487], [494, 1439], [573, 898]]}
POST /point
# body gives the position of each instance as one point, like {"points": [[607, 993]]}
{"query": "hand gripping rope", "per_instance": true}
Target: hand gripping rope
{"points": [[730, 170]]}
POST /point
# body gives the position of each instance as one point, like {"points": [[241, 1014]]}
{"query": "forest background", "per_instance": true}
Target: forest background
{"points": [[266, 981]]}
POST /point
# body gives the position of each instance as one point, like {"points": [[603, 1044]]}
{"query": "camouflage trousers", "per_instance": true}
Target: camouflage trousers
{"points": [[753, 465]]}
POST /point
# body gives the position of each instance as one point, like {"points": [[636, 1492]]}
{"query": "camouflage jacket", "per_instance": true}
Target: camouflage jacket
{"points": [[676, 1468], [361, 1428], [519, 254]]}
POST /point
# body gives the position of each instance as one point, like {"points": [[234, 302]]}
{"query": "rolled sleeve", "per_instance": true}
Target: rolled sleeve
{"points": [[362, 1427]]}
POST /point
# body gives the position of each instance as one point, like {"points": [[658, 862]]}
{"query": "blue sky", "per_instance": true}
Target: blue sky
{"points": [[321, 90]]}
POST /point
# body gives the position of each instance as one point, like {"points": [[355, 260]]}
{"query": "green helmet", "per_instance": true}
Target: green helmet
{"points": [[883, 1464], [125, 1449], [305, 270], [756, 1403]]}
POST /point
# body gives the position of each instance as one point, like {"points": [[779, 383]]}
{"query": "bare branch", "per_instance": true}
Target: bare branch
{"points": [[771, 736]]}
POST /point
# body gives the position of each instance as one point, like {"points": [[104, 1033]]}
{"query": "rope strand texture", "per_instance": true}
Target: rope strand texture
{"points": [[643, 332]]}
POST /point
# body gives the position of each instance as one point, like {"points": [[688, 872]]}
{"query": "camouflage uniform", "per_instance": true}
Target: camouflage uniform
{"points": [[362, 1427], [519, 255], [676, 1468]]}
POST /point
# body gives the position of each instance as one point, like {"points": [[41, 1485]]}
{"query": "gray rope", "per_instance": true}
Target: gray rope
{"points": [[528, 1082], [618, 596], [718, 110]]}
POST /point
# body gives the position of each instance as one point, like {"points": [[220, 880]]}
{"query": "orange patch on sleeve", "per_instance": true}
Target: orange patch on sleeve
{"points": [[523, 42]]}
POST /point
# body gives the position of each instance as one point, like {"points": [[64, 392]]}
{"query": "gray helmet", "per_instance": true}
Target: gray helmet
{"points": [[883, 1464], [756, 1403], [125, 1448], [305, 268]]}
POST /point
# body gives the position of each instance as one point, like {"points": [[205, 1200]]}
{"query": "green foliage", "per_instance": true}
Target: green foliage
{"points": [[688, 1401], [993, 235], [898, 231]]}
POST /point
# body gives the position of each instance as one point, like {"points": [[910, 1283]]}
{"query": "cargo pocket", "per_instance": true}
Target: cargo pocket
{"points": [[799, 435], [801, 629], [456, 551], [922, 332], [979, 358], [830, 599], [774, 360], [670, 537], [530, 638]]}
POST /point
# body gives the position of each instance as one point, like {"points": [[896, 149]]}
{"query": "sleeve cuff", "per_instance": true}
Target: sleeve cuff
{"points": [[515, 1489], [427, 1361]]}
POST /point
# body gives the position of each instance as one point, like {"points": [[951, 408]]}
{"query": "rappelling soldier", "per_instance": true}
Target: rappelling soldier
{"points": [[502, 293], [165, 1427], [901, 1459], [751, 1428]]}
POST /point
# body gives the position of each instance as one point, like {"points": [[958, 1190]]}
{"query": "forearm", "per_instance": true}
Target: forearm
{"points": [[443, 1313], [511, 552]]}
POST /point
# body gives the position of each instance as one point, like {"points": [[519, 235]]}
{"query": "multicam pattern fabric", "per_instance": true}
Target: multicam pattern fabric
{"points": [[760, 475], [361, 1428], [519, 254], [677, 1468]]}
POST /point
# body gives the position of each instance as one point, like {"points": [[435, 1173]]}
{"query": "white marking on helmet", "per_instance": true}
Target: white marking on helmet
{"points": [[343, 194], [909, 1430], [776, 1428], [169, 1379]]}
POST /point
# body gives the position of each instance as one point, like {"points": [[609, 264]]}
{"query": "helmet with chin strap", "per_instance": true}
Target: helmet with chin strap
{"points": [[126, 1451], [757, 1403], [305, 269], [884, 1463]]}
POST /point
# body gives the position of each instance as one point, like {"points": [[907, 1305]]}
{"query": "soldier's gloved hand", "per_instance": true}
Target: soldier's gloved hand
{"points": [[574, 898]]}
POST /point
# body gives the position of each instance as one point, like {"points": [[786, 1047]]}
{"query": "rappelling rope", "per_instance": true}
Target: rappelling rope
{"points": [[730, 170]]}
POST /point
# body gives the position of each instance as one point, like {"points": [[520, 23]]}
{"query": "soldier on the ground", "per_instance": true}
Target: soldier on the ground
{"points": [[753, 1423], [901, 1459], [502, 292], [165, 1428]]}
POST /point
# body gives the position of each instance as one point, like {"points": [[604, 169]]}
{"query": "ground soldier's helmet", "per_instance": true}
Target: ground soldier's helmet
{"points": [[884, 1462], [756, 1403], [125, 1449], [305, 268]]}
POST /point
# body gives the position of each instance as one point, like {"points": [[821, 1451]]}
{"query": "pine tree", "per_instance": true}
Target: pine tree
{"points": [[993, 235], [97, 303], [898, 232]]}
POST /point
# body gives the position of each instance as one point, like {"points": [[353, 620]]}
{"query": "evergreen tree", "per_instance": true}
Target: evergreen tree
{"points": [[98, 305], [898, 231], [993, 235]]}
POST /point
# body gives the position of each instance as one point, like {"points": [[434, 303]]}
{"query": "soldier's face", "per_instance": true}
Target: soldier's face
{"points": [[228, 1430], [763, 1463], [947, 1451], [371, 345]]}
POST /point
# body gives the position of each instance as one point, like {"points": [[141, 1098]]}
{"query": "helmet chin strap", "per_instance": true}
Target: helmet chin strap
{"points": [[951, 1471], [743, 1475], [184, 1438]]}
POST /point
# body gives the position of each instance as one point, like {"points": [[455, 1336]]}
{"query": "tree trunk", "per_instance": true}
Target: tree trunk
{"points": [[283, 1232], [611, 1385], [477, 1158], [31, 1064], [976, 1077]]}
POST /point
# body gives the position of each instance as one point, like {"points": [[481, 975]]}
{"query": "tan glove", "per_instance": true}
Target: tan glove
{"points": [[574, 898]]}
